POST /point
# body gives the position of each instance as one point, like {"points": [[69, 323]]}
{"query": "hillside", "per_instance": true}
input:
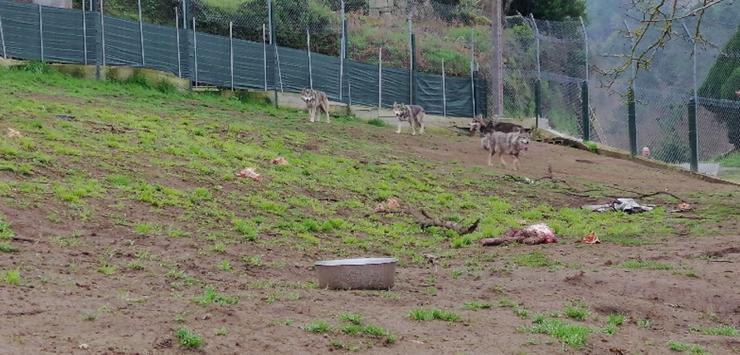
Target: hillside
{"points": [[124, 225]]}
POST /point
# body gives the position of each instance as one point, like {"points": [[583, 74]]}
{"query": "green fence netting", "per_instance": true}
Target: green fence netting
{"points": [[33, 32]]}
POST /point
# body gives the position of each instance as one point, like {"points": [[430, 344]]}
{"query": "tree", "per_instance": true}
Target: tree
{"points": [[556, 10], [659, 23], [723, 82], [724, 77]]}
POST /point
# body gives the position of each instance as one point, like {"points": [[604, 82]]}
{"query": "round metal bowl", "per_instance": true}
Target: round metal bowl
{"points": [[357, 274]]}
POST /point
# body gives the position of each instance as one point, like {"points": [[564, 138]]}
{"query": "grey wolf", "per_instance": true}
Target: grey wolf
{"points": [[413, 114], [503, 143], [315, 101], [484, 126]]}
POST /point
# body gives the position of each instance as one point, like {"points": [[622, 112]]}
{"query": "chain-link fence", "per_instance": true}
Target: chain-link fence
{"points": [[557, 72]]}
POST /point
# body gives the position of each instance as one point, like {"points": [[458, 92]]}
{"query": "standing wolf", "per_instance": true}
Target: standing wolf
{"points": [[505, 143], [414, 114], [315, 101], [484, 126]]}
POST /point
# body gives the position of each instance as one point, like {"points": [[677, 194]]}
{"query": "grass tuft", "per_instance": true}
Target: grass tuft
{"points": [[433, 314], [573, 335], [188, 338]]}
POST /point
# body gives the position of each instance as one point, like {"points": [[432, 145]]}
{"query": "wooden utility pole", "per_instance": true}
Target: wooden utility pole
{"points": [[497, 63]]}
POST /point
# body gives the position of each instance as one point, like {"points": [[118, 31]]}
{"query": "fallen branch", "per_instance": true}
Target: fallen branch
{"points": [[426, 221], [19, 239]]}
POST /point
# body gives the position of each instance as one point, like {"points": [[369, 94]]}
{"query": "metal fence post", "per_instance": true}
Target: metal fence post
{"points": [[177, 36], [273, 42], [185, 14], [380, 80], [231, 53], [444, 90], [537, 45], [693, 136], [264, 53], [310, 67], [195, 53], [341, 55], [412, 53], [537, 102], [412, 72], [41, 31], [585, 112], [632, 120], [472, 73], [84, 34], [102, 32], [141, 33], [2, 39], [585, 44]]}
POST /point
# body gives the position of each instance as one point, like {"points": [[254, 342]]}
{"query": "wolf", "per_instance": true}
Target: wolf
{"points": [[315, 101], [414, 114], [503, 143], [483, 126]]}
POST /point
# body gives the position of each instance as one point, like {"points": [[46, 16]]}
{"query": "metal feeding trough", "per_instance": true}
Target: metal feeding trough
{"points": [[357, 274]]}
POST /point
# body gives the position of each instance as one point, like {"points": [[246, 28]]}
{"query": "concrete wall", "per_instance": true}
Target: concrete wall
{"points": [[64, 4]]}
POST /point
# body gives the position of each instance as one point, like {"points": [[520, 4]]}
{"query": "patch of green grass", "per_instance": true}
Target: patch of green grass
{"points": [[507, 302], [686, 348], [222, 331], [521, 312], [76, 189], [188, 338], [645, 265], [724, 330], [6, 247], [613, 322], [576, 310], [591, 146], [570, 334], [318, 326], [643, 323], [11, 277], [219, 247], [145, 229], [353, 318], [535, 259], [377, 122], [5, 232], [730, 160], [433, 314], [224, 265], [211, 296], [476, 305], [107, 269], [252, 260], [247, 229]]}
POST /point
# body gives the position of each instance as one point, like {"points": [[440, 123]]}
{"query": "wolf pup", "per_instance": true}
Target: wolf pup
{"points": [[315, 101], [502, 143], [483, 126], [414, 114]]}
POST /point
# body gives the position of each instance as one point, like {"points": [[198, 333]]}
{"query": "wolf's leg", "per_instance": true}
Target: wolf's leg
{"points": [[503, 161], [490, 156], [312, 114], [516, 162], [420, 119], [326, 111], [398, 131], [413, 126]]}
